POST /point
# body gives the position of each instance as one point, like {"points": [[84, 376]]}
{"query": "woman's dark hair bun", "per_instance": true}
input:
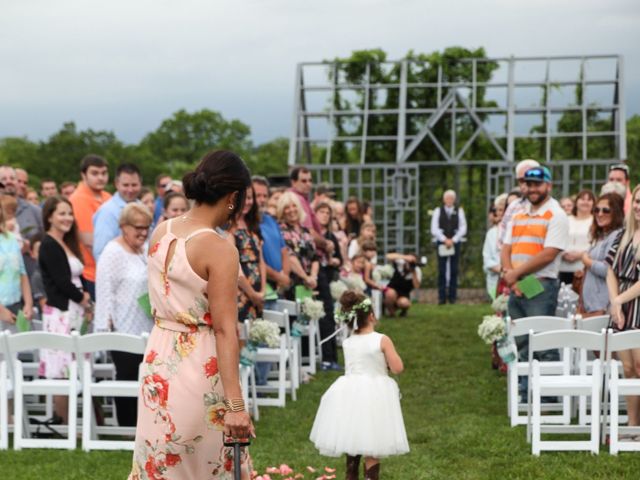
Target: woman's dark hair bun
{"points": [[219, 173]]}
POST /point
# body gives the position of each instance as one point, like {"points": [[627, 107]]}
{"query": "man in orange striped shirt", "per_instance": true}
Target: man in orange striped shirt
{"points": [[533, 242]]}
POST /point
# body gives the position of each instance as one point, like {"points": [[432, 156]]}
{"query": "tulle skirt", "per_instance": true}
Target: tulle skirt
{"points": [[360, 415]]}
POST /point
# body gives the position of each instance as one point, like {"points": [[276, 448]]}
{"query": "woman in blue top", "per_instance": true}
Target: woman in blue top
{"points": [[15, 291]]}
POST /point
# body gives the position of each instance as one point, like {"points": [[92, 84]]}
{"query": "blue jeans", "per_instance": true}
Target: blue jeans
{"points": [[543, 304]]}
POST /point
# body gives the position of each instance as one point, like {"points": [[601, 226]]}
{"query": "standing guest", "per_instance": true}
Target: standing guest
{"points": [[15, 291], [367, 211], [35, 275], [32, 197], [86, 200], [619, 173], [147, 199], [490, 251], [516, 206], [190, 391], [337, 227], [448, 228], [48, 188], [354, 217], [301, 186], [532, 246], [623, 283], [407, 276], [245, 236], [303, 257], [175, 205], [9, 205], [329, 272], [609, 220], [567, 205], [272, 203], [163, 185], [28, 216], [106, 220], [323, 194], [274, 251], [367, 232], [67, 189], [61, 266], [118, 291], [580, 222], [22, 182]]}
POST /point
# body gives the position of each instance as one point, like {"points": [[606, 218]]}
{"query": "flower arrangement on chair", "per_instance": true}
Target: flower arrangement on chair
{"points": [[262, 333]]}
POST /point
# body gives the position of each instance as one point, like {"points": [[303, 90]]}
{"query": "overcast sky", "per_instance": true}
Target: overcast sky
{"points": [[127, 65]]}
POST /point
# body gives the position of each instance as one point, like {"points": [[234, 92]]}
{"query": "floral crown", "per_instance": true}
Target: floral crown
{"points": [[352, 315]]}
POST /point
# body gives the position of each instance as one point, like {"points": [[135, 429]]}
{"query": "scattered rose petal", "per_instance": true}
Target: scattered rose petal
{"points": [[299, 476], [329, 477], [272, 470], [311, 469], [285, 469], [329, 470]]}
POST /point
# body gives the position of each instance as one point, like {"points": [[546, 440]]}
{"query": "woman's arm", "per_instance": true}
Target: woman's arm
{"points": [[263, 270], [27, 298], [391, 356], [222, 288], [612, 286]]}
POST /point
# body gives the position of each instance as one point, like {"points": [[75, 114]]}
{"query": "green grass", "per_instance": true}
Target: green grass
{"points": [[454, 406]]}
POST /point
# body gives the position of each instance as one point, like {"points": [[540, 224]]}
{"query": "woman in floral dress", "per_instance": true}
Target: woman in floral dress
{"points": [[252, 281], [190, 389], [302, 249]]}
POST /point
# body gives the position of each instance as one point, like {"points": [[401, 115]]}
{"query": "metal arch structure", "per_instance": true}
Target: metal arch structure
{"points": [[505, 121]]}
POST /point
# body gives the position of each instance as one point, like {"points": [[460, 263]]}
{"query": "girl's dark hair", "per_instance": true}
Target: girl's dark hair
{"points": [[170, 196], [144, 191], [218, 174], [252, 218], [348, 301], [71, 237], [616, 204], [353, 224], [583, 193]]}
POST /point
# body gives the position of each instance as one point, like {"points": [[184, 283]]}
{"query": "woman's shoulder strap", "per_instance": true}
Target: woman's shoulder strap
{"points": [[202, 230]]}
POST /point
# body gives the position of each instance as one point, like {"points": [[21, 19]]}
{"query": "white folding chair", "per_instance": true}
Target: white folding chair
{"points": [[566, 385], [280, 355], [585, 357], [517, 369], [376, 301], [86, 346], [249, 393], [294, 343], [6, 392], [70, 387], [615, 387]]}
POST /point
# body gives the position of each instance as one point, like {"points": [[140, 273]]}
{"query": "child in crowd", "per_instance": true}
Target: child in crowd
{"points": [[9, 205], [360, 414], [367, 232], [370, 251], [175, 205], [34, 274]]}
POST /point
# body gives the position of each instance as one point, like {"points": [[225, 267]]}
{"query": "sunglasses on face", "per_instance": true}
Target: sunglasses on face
{"points": [[604, 210]]}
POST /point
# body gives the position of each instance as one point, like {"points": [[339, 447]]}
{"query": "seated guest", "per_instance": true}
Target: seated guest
{"points": [[117, 293], [407, 276]]}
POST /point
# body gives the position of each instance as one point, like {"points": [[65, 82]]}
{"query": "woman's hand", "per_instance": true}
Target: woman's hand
{"points": [[616, 312], [28, 311], [6, 315], [86, 299], [586, 259], [238, 425], [257, 298], [310, 282]]}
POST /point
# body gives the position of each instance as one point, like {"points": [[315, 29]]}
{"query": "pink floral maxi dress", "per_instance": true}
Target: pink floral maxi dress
{"points": [[180, 426]]}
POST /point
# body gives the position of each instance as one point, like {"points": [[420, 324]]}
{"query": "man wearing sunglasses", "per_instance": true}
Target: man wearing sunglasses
{"points": [[619, 173], [534, 240]]}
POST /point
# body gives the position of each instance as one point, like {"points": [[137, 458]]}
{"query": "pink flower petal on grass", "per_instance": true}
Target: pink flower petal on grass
{"points": [[329, 470], [272, 470], [311, 469], [285, 469], [299, 476]]}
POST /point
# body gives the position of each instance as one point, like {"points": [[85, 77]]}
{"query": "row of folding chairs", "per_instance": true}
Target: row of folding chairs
{"points": [[587, 369]]}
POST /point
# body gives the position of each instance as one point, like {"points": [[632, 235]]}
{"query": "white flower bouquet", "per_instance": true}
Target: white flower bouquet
{"points": [[491, 329], [382, 272], [313, 309], [499, 305], [353, 281], [337, 288], [264, 332]]}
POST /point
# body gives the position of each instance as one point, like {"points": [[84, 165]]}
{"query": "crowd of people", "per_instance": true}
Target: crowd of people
{"points": [[75, 254], [588, 241]]}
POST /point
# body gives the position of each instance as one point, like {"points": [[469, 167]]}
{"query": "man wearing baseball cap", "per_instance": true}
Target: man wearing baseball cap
{"points": [[534, 239]]}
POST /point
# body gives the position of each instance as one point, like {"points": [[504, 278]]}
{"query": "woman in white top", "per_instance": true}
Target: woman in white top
{"points": [[121, 279], [490, 251], [579, 242]]}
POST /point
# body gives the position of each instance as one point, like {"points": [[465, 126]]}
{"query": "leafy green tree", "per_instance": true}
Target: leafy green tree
{"points": [[270, 157], [180, 141]]}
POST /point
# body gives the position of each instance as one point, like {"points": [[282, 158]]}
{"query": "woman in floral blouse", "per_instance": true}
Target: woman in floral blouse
{"points": [[302, 248]]}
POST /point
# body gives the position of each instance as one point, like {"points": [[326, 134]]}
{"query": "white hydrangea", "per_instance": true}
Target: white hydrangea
{"points": [[313, 309], [499, 305], [337, 289], [491, 329], [382, 272], [265, 332], [354, 281]]}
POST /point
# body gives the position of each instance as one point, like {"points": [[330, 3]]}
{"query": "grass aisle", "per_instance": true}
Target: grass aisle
{"points": [[454, 407]]}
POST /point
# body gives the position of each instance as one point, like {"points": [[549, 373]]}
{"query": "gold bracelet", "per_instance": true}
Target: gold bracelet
{"points": [[234, 405]]}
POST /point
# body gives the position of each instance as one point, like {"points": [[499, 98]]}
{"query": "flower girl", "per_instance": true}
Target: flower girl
{"points": [[360, 413]]}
